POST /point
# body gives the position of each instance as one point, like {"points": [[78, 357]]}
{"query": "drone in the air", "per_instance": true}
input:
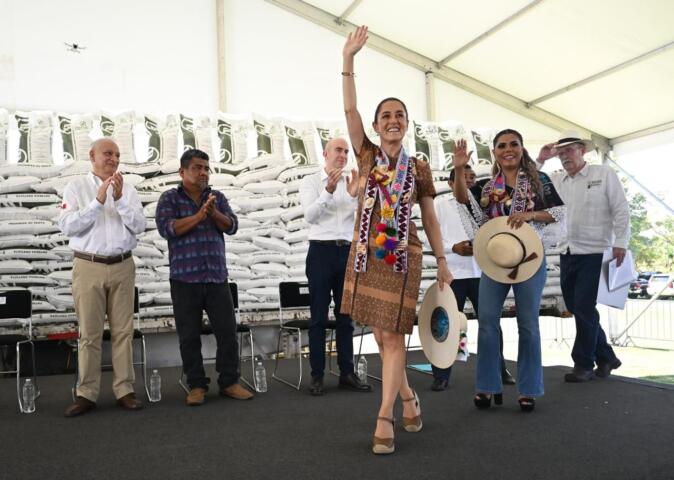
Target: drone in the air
{"points": [[75, 47]]}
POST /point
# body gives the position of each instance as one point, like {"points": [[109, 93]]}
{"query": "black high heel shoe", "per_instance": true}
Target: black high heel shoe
{"points": [[481, 400], [527, 404]]}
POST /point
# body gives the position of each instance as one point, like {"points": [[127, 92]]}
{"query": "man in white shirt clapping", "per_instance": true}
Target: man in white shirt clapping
{"points": [[102, 216], [597, 218], [329, 199]]}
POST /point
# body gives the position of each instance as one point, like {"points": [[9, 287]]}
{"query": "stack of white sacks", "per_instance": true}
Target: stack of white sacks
{"points": [[257, 163]]}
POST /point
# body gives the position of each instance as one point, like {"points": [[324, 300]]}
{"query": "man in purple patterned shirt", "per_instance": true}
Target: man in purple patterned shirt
{"points": [[193, 218]]}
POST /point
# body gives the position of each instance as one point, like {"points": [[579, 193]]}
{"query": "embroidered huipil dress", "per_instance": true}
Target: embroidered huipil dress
{"points": [[377, 295]]}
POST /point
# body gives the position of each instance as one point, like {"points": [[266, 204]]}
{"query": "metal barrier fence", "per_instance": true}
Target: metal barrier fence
{"points": [[641, 324]]}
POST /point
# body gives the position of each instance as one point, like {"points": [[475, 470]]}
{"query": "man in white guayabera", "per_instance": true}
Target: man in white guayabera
{"points": [[598, 218], [102, 216]]}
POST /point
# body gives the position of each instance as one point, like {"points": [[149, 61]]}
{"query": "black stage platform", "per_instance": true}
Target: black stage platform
{"points": [[606, 429]]}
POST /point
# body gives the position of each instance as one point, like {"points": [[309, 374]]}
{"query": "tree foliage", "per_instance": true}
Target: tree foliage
{"points": [[652, 244]]}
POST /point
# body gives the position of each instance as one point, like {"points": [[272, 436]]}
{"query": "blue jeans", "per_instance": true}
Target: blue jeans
{"points": [[465, 288], [326, 266], [579, 277], [529, 365]]}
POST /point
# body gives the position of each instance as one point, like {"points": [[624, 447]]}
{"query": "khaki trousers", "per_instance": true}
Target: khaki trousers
{"points": [[100, 290]]}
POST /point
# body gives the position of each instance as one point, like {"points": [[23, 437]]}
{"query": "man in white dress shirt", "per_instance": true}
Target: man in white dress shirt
{"points": [[598, 218], [458, 231], [102, 216], [329, 199]]}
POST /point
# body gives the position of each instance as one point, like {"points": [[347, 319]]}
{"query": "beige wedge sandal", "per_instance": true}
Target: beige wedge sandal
{"points": [[413, 424], [383, 446]]}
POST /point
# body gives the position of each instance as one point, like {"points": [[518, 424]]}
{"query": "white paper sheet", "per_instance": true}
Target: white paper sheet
{"points": [[619, 276], [612, 298]]}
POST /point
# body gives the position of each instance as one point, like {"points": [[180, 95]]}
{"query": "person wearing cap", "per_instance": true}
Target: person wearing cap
{"points": [[598, 219], [102, 216], [458, 229], [512, 208], [329, 199]]}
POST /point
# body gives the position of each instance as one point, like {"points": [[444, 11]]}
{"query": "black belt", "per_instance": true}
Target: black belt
{"points": [[332, 243], [102, 258]]}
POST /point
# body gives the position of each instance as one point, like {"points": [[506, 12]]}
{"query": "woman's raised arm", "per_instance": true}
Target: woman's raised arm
{"points": [[354, 122], [461, 158]]}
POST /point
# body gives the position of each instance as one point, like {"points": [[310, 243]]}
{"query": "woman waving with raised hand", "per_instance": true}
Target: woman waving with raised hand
{"points": [[513, 207], [381, 287]]}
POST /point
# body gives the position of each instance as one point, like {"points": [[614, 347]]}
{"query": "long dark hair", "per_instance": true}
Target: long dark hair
{"points": [[527, 164]]}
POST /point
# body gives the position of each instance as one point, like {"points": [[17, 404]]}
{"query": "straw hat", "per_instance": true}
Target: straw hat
{"points": [[568, 137], [505, 254], [440, 326]]}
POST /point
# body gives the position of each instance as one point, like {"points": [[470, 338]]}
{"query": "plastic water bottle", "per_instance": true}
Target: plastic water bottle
{"points": [[28, 396], [260, 377], [361, 369], [155, 386]]}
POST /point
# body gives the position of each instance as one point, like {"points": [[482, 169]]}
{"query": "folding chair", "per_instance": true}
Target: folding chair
{"points": [[18, 304], [243, 330], [293, 296], [137, 335]]}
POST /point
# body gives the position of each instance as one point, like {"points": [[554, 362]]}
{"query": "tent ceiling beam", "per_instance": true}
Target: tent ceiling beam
{"points": [[642, 133], [604, 73], [489, 32], [442, 72], [643, 188], [349, 10]]}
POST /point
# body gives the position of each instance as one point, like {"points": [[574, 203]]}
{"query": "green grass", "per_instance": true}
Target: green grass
{"points": [[660, 378]]}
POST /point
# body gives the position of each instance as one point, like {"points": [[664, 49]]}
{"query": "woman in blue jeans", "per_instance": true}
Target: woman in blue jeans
{"points": [[516, 190]]}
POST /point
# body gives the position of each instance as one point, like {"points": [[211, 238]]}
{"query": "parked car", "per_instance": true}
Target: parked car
{"points": [[658, 281], [639, 287]]}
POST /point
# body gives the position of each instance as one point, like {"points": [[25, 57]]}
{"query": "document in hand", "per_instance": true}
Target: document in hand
{"points": [[619, 276], [617, 297]]}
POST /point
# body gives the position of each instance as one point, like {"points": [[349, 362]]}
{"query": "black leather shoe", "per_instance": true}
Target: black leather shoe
{"points": [[579, 375], [439, 384], [507, 378], [316, 388], [603, 370], [352, 382]]}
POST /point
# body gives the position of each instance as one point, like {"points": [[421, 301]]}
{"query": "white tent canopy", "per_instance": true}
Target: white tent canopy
{"points": [[603, 66]]}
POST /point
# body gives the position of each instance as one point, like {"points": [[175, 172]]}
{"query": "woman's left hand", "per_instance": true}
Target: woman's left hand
{"points": [[515, 220], [444, 275]]}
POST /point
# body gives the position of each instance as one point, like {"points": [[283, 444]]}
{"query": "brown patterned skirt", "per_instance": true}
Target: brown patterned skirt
{"points": [[379, 297]]}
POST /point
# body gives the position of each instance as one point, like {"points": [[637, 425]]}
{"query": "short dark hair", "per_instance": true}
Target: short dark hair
{"points": [[452, 175], [187, 157], [387, 99]]}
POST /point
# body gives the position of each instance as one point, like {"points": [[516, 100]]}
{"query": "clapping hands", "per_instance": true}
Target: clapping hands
{"points": [[117, 182], [352, 183], [208, 207]]}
